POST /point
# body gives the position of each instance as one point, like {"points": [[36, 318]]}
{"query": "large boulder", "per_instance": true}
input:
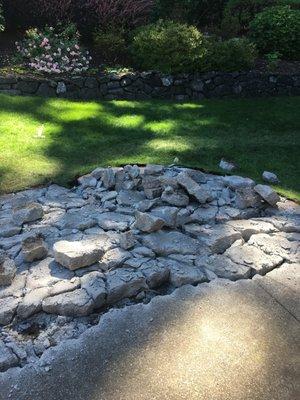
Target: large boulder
{"points": [[193, 188], [268, 194], [75, 255]]}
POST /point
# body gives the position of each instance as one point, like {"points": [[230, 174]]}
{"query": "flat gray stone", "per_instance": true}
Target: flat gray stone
{"points": [[7, 269], [238, 182], [178, 199], [30, 213], [124, 283], [75, 255], [130, 197], [115, 221], [168, 214], [156, 274], [114, 258], [165, 243], [248, 227], [223, 267], [217, 237], [183, 273], [74, 304], [253, 257]]}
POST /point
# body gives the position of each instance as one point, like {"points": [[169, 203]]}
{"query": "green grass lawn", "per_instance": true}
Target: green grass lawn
{"points": [[258, 134]]}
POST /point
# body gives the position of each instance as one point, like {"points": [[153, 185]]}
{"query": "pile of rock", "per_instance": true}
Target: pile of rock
{"points": [[125, 235]]}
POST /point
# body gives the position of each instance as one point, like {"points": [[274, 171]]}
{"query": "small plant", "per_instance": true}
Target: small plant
{"points": [[168, 47], [54, 50], [111, 44], [231, 55], [272, 59], [277, 29]]}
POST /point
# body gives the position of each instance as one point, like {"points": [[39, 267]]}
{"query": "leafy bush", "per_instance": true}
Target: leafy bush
{"points": [[277, 29], [111, 45], [272, 60], [2, 22], [196, 12], [54, 50], [231, 55], [168, 47]]}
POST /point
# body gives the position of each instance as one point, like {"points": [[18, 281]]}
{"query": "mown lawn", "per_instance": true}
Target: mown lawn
{"points": [[43, 140]]}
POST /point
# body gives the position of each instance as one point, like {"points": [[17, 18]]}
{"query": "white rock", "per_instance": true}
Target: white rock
{"points": [[75, 255], [75, 304], [227, 165]]}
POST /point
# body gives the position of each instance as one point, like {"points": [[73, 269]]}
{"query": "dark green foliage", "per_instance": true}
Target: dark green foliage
{"points": [[235, 54], [278, 29], [2, 21], [196, 12], [168, 47], [111, 45]]}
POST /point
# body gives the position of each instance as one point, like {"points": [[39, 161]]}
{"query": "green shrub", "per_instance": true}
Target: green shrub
{"points": [[277, 29], [272, 60], [231, 55], [195, 12], [2, 21], [168, 47], [239, 13], [111, 45]]}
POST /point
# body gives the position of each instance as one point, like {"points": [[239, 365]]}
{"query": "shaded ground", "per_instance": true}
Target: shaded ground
{"points": [[44, 140], [217, 341]]}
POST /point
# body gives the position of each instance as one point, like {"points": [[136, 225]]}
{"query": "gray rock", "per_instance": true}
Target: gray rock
{"points": [[8, 307], [237, 182], [168, 214], [7, 358], [204, 215], [249, 227], [193, 188], [75, 304], [7, 229], [32, 302], [7, 269], [184, 273], [165, 243], [247, 197], [143, 251], [153, 169], [114, 258], [94, 284], [75, 255], [147, 222], [61, 88], [64, 286], [267, 194], [130, 197], [156, 275], [178, 198], [270, 177], [115, 221], [124, 283], [87, 181], [223, 267], [30, 213], [127, 240], [146, 205], [34, 248], [227, 165], [253, 257], [109, 178], [217, 238]]}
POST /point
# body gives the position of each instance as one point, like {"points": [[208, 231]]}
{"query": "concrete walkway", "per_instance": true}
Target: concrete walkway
{"points": [[217, 341]]}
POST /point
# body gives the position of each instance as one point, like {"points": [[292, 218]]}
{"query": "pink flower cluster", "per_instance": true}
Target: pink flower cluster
{"points": [[53, 53]]}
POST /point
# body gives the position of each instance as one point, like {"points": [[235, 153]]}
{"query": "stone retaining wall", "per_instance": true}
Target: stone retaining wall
{"points": [[152, 85]]}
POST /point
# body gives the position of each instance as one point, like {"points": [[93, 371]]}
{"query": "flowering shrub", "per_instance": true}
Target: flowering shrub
{"points": [[54, 50]]}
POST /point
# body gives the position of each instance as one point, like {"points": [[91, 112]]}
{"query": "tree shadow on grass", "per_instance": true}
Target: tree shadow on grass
{"points": [[257, 134]]}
